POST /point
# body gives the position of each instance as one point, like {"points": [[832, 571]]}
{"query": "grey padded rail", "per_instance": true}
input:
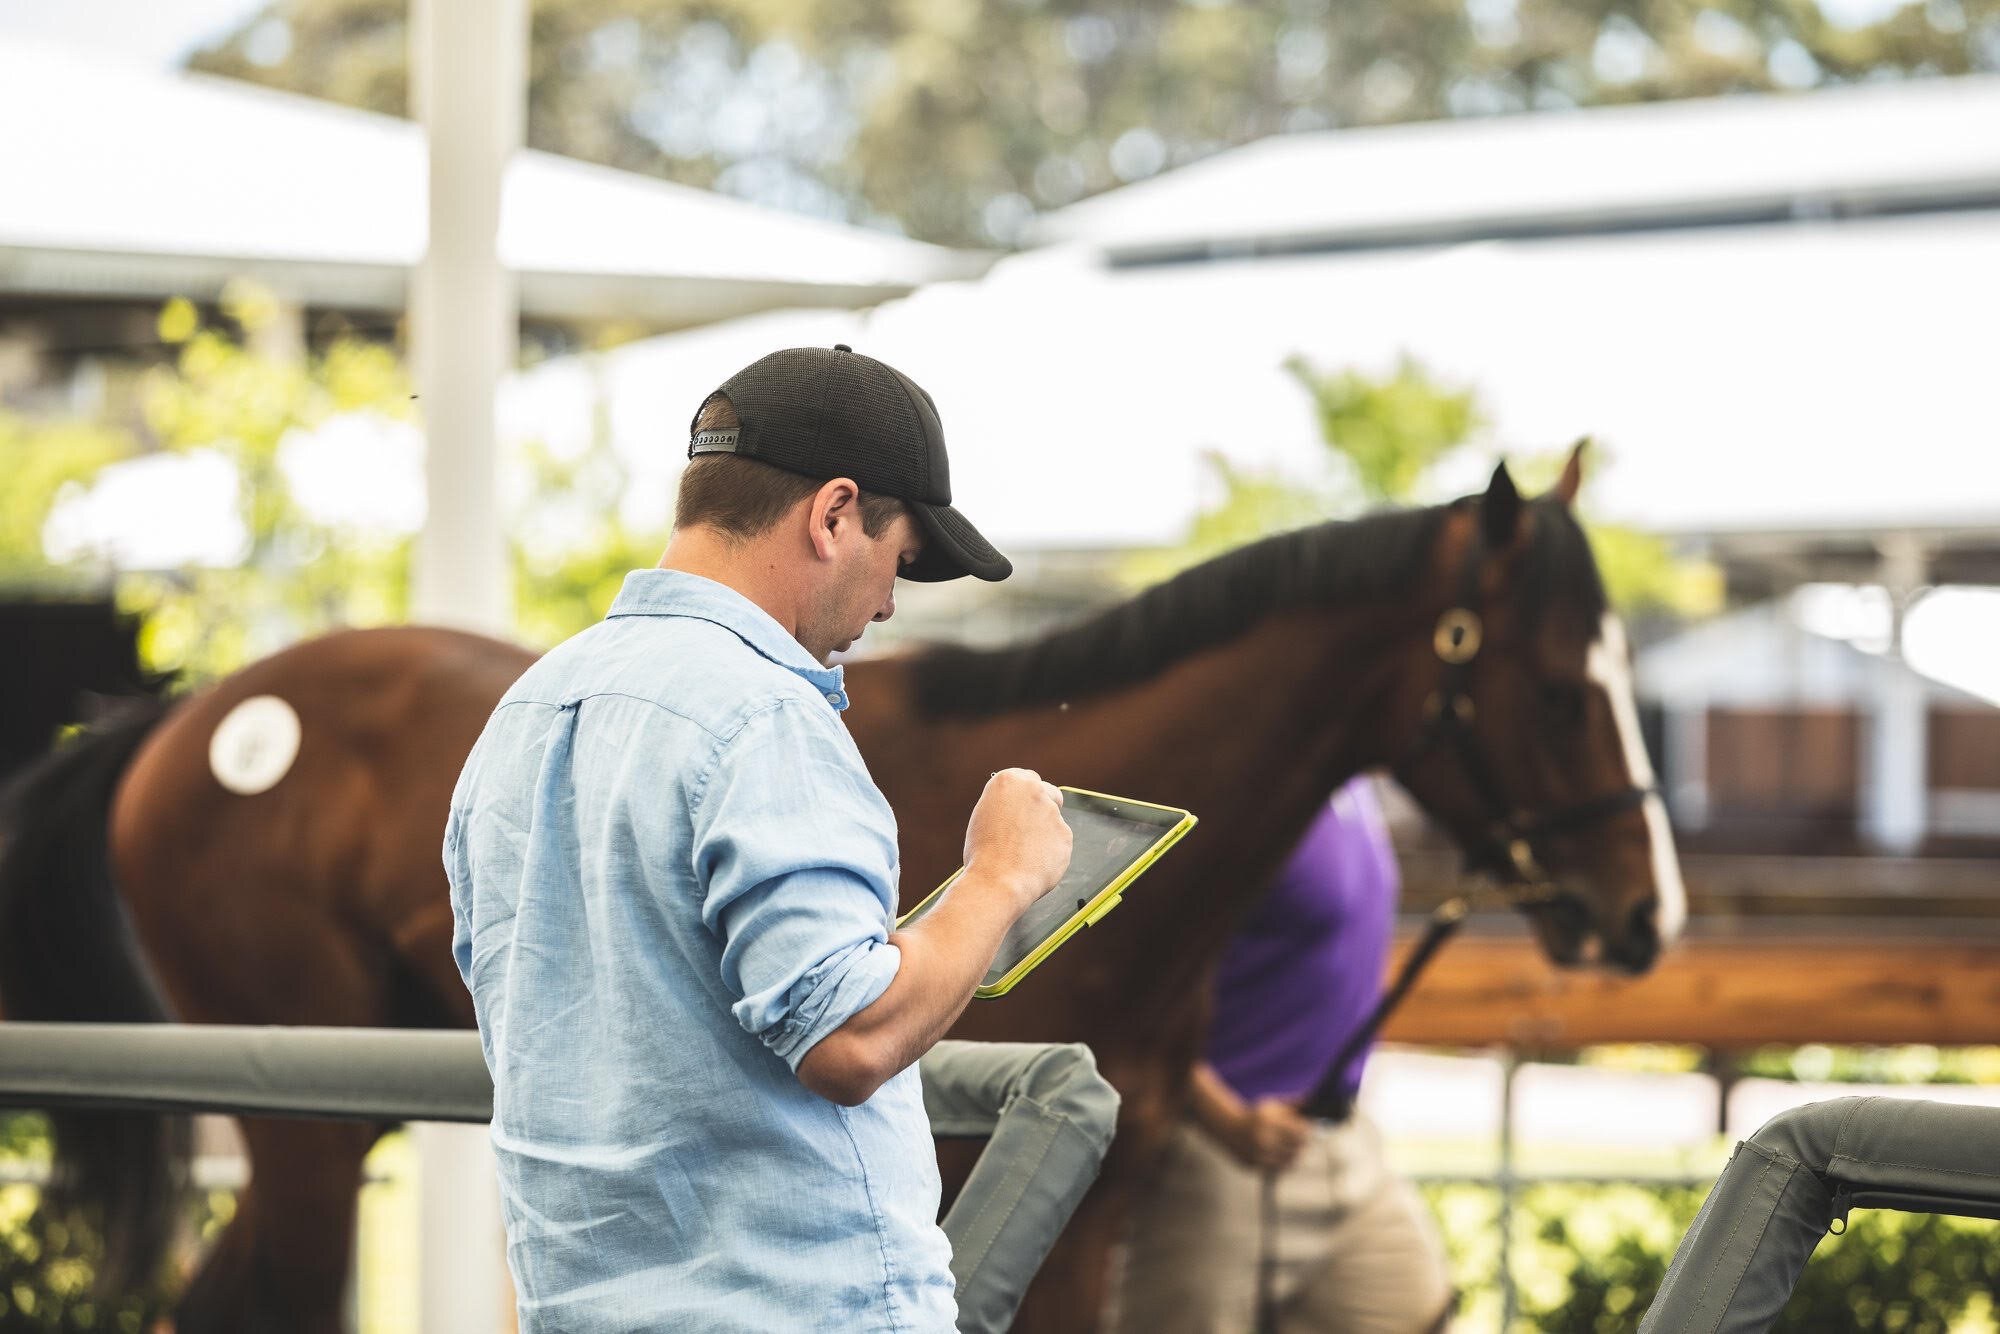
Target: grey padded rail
{"points": [[352, 1074], [1786, 1185], [1049, 1114]]}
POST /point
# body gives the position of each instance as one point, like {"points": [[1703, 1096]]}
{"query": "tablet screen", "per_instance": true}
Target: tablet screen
{"points": [[1106, 837]]}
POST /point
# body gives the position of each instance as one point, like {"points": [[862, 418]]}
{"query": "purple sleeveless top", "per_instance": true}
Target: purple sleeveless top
{"points": [[1306, 968]]}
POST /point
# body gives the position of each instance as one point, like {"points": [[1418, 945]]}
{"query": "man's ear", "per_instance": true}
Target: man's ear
{"points": [[835, 503], [1500, 510]]}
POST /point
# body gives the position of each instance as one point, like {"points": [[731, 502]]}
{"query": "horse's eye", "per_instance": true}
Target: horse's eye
{"points": [[1562, 703]]}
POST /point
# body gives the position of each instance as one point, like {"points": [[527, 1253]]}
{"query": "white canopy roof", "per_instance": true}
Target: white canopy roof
{"points": [[1873, 148], [137, 182], [1790, 377]]}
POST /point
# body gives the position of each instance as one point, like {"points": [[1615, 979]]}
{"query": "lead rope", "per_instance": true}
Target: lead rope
{"points": [[1267, 1254], [1331, 1101]]}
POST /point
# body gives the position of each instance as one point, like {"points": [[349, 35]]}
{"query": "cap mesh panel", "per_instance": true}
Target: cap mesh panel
{"points": [[833, 414]]}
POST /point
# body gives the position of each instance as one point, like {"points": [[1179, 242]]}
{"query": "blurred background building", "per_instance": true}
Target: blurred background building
{"points": [[1179, 274]]}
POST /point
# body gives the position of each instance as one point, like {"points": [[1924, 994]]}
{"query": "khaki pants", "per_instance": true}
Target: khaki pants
{"points": [[1357, 1250]]}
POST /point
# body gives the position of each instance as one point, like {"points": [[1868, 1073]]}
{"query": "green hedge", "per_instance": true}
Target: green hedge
{"points": [[47, 1263], [1587, 1259]]}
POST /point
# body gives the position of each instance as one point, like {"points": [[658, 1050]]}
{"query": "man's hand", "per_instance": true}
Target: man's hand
{"points": [[1016, 849], [1267, 1136], [1017, 837]]}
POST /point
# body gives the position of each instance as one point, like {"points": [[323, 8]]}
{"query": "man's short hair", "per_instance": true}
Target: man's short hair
{"points": [[745, 498]]}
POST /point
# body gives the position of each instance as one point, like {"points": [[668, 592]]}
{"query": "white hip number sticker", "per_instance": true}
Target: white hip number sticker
{"points": [[254, 745]]}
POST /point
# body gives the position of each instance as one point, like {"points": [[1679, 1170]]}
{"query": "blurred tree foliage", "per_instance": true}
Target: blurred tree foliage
{"points": [[43, 462], [1390, 431], [48, 1264], [955, 119], [1904, 1064], [1386, 438], [46, 1271], [299, 574], [566, 585], [220, 397]]}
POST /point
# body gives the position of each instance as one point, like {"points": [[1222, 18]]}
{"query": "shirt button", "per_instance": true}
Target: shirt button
{"points": [[833, 697]]}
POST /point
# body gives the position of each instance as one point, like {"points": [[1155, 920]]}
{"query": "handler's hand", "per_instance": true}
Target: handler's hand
{"points": [[1017, 835], [1269, 1135]]}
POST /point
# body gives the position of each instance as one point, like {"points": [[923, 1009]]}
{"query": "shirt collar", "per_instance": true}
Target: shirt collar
{"points": [[677, 593]]}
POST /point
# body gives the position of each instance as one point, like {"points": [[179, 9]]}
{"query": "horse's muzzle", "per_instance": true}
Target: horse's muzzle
{"points": [[1636, 947], [1572, 936]]}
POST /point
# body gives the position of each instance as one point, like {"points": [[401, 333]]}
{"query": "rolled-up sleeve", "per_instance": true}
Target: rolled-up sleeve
{"points": [[795, 854]]}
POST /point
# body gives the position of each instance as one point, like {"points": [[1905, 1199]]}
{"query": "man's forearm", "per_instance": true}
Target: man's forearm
{"points": [[944, 957], [1214, 1105]]}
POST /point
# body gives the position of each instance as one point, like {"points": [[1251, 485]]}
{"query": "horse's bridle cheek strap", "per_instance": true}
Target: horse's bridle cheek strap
{"points": [[1505, 846]]}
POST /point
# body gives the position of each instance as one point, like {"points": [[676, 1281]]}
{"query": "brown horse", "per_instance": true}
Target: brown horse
{"points": [[1467, 647]]}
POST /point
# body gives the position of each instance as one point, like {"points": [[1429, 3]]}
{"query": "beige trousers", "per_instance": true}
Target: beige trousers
{"points": [[1357, 1250]]}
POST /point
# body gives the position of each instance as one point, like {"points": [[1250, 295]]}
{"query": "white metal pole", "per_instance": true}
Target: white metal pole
{"points": [[462, 1271], [468, 72], [468, 76], [1896, 759]]}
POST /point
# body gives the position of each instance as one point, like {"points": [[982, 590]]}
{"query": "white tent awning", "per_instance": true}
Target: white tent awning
{"points": [[146, 184]]}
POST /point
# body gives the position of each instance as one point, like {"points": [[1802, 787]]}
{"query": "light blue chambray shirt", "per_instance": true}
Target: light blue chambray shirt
{"points": [[670, 876]]}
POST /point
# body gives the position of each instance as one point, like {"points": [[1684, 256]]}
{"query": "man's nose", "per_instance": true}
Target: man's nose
{"points": [[887, 609]]}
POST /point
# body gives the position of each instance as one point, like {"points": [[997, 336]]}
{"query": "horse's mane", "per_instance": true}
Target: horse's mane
{"points": [[1558, 575], [1380, 554]]}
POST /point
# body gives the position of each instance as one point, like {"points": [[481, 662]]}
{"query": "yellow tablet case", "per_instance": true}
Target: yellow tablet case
{"points": [[1101, 903]]}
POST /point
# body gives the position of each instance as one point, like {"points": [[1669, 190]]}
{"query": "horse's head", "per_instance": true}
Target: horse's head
{"points": [[1528, 746]]}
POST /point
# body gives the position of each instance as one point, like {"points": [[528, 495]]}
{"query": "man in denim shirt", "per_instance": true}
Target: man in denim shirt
{"points": [[673, 886]]}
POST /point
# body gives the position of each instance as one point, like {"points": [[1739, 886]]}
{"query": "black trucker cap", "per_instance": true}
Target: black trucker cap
{"points": [[831, 412]]}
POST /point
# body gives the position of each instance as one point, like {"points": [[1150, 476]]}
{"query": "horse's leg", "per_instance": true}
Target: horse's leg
{"points": [[283, 1261], [429, 993]]}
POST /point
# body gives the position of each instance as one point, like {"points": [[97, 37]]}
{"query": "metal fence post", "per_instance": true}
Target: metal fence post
{"points": [[1510, 1062]]}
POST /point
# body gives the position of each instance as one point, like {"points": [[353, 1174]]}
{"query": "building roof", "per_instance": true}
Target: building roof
{"points": [[136, 182], [1795, 377], [1868, 149], [1818, 371], [1763, 560], [1764, 657]]}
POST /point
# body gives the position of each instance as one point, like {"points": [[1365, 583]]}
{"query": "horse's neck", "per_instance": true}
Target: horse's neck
{"points": [[1295, 703], [1257, 738], [1252, 735]]}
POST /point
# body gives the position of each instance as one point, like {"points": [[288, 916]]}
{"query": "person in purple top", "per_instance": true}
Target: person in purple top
{"points": [[1356, 1250]]}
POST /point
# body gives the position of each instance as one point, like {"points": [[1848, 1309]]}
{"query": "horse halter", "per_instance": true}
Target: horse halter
{"points": [[1505, 844]]}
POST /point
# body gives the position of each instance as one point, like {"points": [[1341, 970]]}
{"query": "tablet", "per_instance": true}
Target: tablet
{"points": [[1113, 840]]}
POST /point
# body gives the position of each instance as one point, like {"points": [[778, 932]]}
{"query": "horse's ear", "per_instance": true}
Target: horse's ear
{"points": [[1566, 485], [1500, 510]]}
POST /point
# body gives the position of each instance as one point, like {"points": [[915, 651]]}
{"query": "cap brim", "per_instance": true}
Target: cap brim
{"points": [[953, 548]]}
